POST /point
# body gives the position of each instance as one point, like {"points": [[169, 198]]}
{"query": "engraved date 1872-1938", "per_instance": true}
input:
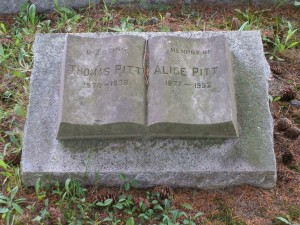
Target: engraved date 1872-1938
{"points": [[112, 83]]}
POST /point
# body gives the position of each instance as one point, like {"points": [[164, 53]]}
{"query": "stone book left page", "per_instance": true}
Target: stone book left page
{"points": [[103, 91]]}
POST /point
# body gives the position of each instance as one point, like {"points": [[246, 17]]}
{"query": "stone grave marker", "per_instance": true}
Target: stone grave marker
{"points": [[104, 94], [244, 156]]}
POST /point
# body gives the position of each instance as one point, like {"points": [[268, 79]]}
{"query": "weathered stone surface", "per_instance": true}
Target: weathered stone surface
{"points": [[198, 163], [102, 88], [12, 6], [191, 90]]}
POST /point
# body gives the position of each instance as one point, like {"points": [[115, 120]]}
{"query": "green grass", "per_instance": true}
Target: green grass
{"points": [[72, 207]]}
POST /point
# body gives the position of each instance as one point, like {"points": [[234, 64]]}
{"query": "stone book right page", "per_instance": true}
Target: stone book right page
{"points": [[191, 88]]}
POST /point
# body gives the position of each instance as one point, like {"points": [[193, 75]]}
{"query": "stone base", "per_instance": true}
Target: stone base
{"points": [[196, 163]]}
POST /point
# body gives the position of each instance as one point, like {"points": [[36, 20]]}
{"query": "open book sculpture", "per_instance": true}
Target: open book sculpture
{"points": [[124, 86]]}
